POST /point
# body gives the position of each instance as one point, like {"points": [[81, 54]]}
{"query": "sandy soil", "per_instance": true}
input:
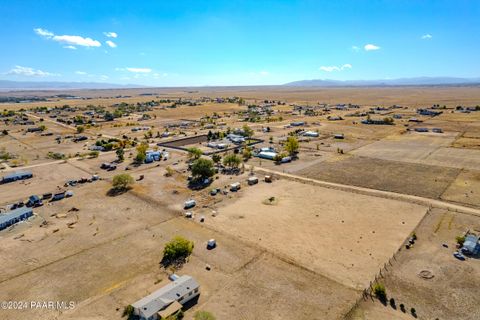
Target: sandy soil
{"points": [[452, 290], [341, 235], [409, 178]]}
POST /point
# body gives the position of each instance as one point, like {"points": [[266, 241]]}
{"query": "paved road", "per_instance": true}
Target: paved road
{"points": [[378, 193]]}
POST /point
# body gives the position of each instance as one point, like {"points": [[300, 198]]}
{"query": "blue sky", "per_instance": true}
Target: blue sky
{"points": [[180, 43]]}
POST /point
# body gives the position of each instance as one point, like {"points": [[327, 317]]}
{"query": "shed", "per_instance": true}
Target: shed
{"points": [[20, 175], [14, 216], [471, 245]]}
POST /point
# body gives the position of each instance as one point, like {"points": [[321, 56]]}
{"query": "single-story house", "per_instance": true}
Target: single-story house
{"points": [[20, 175], [269, 155], [14, 216], [167, 300]]}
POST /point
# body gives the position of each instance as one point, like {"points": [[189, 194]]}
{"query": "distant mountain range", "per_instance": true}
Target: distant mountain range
{"points": [[420, 81], [6, 85]]}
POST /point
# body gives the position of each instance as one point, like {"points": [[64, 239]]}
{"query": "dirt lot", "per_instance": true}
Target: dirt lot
{"points": [[410, 178], [344, 236], [428, 149], [110, 259], [430, 297], [465, 188]]}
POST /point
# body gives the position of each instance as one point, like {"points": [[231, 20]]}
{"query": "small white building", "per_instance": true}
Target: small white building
{"points": [[167, 300]]}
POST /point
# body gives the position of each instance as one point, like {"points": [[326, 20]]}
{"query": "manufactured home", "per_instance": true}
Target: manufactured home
{"points": [[167, 300], [14, 216], [21, 175]]}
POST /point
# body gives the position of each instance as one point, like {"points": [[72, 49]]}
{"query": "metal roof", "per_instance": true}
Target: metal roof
{"points": [[17, 174], [166, 295], [14, 214]]}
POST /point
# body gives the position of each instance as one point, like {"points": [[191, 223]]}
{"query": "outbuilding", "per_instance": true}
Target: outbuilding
{"points": [[21, 175], [14, 216]]}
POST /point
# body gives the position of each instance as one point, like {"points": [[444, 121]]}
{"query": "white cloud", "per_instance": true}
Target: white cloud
{"points": [[81, 72], [111, 34], [70, 47], [111, 44], [68, 39], [43, 32], [336, 68], [139, 70], [427, 36], [29, 72], [371, 47]]}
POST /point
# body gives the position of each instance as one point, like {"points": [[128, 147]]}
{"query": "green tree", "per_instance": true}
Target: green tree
{"points": [[204, 315], [291, 145], [177, 249], [141, 153], [120, 154], [194, 153], [202, 168], [42, 127], [232, 160], [248, 132], [80, 129], [247, 153], [122, 182]]}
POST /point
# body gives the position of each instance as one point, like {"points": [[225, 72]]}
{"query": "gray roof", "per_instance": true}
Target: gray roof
{"points": [[17, 174], [14, 214], [470, 243], [164, 296]]}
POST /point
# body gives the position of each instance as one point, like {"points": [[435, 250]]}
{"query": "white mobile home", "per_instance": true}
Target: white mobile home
{"points": [[167, 300]]}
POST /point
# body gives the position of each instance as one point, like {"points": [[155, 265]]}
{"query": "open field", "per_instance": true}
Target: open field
{"points": [[430, 297], [417, 96], [420, 148], [349, 235], [402, 177]]}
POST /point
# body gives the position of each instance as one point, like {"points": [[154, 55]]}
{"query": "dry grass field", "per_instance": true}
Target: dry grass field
{"points": [[343, 236], [402, 177], [450, 293], [286, 250]]}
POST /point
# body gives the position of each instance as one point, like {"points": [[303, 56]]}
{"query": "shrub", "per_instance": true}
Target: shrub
{"points": [[127, 311], [93, 154], [203, 315], [80, 129], [402, 307], [392, 303], [194, 153], [380, 292], [216, 158], [122, 182], [176, 250], [413, 312], [460, 240]]}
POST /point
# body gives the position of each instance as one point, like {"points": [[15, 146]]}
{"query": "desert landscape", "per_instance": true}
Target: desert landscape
{"points": [[334, 184]]}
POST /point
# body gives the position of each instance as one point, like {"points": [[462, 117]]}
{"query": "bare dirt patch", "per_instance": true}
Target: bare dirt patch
{"points": [[410, 178], [341, 235]]}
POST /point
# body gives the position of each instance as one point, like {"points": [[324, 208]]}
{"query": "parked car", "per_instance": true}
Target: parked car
{"points": [[189, 204], [459, 255], [211, 244]]}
